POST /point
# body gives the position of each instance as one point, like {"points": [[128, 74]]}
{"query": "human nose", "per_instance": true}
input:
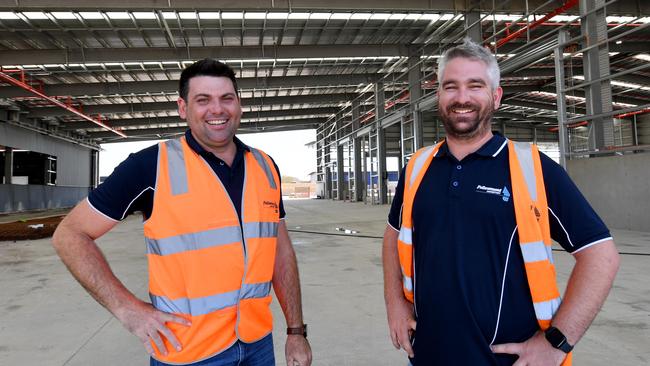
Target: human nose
{"points": [[215, 107], [462, 95]]}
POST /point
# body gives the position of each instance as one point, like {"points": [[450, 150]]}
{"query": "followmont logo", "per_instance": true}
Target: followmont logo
{"points": [[503, 192], [271, 205]]}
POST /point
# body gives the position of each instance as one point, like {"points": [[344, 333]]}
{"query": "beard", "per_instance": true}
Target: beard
{"points": [[465, 128]]}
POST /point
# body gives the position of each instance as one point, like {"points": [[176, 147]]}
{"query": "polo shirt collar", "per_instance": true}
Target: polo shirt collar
{"points": [[191, 141], [491, 148]]}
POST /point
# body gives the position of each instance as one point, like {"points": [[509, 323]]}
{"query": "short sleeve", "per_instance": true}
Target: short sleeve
{"points": [[129, 188], [574, 223], [395, 214]]}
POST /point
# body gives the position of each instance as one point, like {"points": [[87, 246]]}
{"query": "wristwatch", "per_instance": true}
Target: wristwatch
{"points": [[298, 330], [557, 339]]}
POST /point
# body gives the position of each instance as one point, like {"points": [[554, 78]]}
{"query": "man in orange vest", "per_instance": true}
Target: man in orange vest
{"points": [[215, 236], [468, 269]]}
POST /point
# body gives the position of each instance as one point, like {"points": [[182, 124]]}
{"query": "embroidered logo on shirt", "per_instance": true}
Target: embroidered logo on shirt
{"points": [[503, 192]]}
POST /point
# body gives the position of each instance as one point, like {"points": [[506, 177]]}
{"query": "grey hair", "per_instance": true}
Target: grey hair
{"points": [[474, 51]]}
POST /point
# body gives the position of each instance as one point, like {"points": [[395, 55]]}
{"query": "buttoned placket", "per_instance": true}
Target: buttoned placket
{"points": [[455, 178]]}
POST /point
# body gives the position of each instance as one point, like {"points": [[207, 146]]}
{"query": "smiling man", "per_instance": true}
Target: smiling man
{"points": [[215, 236], [468, 269]]}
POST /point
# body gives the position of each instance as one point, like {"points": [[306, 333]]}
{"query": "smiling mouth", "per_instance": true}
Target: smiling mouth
{"points": [[462, 111], [216, 122]]}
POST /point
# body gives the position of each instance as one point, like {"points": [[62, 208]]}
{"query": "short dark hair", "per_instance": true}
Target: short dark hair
{"points": [[205, 67]]}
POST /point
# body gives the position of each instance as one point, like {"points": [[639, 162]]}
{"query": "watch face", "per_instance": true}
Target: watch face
{"points": [[555, 337]]}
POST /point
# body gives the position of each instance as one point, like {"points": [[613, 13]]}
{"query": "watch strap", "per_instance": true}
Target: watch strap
{"points": [[565, 347], [557, 339], [298, 330]]}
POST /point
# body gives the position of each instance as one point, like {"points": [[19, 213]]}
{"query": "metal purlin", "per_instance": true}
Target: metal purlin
{"points": [[21, 84]]}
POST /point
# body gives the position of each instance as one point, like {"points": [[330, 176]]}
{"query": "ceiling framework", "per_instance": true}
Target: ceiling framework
{"points": [[299, 65]]}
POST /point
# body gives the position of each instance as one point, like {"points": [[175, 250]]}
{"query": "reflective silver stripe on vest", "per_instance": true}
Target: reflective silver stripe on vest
{"points": [[210, 238], [525, 157], [255, 291], [194, 241], [267, 169], [408, 283], [406, 235], [534, 252], [176, 167], [419, 163], [544, 310], [209, 304], [260, 229], [549, 253]]}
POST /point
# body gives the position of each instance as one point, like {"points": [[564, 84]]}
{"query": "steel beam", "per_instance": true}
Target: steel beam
{"points": [[165, 134], [61, 106], [627, 46], [623, 98], [125, 122], [209, 5], [142, 54], [172, 106], [256, 126], [537, 105], [171, 86], [621, 7], [524, 117]]}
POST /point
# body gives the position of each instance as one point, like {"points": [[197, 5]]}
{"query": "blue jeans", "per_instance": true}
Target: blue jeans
{"points": [[259, 353]]}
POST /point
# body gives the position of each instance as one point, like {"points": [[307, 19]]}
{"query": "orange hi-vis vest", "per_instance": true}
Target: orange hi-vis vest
{"points": [[531, 212], [204, 265]]}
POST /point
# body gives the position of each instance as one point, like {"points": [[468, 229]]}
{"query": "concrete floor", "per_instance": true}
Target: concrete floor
{"points": [[46, 318]]}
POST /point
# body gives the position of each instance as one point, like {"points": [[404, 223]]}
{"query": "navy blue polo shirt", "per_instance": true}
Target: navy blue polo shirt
{"points": [[465, 241], [132, 184]]}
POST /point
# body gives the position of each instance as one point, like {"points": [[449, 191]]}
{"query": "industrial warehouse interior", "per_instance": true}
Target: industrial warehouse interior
{"points": [[77, 77]]}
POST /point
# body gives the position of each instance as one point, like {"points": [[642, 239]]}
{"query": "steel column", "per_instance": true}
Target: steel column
{"points": [[94, 168], [340, 172], [415, 93], [357, 194], [635, 131], [381, 144], [473, 26], [9, 164], [596, 65], [328, 183], [561, 101]]}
